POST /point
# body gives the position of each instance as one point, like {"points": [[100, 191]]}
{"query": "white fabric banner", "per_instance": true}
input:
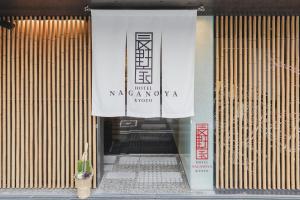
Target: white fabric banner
{"points": [[143, 48], [178, 61], [160, 63], [108, 70]]}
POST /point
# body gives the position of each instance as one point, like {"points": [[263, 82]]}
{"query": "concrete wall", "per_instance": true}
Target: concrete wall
{"points": [[200, 172]]}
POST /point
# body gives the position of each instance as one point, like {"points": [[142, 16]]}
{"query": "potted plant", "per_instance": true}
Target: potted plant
{"points": [[84, 175]]}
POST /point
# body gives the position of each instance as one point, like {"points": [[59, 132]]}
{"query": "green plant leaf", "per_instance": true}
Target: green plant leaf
{"points": [[80, 166]]}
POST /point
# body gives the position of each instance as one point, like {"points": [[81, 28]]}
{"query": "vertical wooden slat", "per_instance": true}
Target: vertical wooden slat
{"points": [[4, 104], [13, 107], [259, 105], [283, 122], [31, 123], [250, 64], [288, 134], [53, 100], [22, 112], [73, 158], [49, 105], [264, 94], [297, 106], [293, 125], [8, 111], [76, 95], [67, 101], [278, 99], [35, 91], [255, 116], [85, 88], [217, 102], [45, 100], [40, 100], [236, 131], [268, 130], [240, 102], [58, 125], [273, 102], [18, 100], [27, 122], [4, 99], [62, 101], [231, 103], [226, 106], [222, 106], [245, 113], [80, 88]]}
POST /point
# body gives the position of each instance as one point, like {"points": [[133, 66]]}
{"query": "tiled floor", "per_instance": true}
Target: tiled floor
{"points": [[130, 177], [139, 174]]}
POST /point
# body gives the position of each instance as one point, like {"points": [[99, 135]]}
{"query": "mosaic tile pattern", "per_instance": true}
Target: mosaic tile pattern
{"points": [[155, 174], [159, 177], [158, 160]]}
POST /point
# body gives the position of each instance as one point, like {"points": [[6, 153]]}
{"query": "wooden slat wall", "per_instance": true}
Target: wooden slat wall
{"points": [[257, 102], [45, 91]]}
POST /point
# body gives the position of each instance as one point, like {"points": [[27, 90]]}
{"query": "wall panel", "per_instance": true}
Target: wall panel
{"points": [[45, 90], [257, 96]]}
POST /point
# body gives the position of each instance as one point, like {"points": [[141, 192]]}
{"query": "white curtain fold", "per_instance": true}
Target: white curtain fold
{"points": [[108, 64], [143, 55], [178, 61]]}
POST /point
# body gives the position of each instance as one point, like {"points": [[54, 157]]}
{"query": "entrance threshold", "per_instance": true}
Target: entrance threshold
{"points": [[143, 173]]}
